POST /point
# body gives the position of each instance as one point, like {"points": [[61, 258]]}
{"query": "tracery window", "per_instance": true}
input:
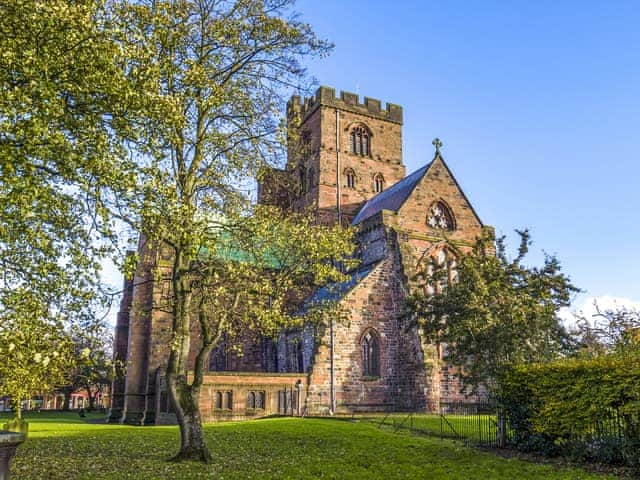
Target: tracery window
{"points": [[351, 178], [251, 400], [444, 271], [378, 183], [359, 141], [440, 216], [370, 354]]}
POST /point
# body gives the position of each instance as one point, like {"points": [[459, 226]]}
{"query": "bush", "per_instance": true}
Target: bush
{"points": [[585, 408]]}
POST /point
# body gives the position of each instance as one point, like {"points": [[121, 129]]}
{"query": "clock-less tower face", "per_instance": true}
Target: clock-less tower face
{"points": [[350, 150]]}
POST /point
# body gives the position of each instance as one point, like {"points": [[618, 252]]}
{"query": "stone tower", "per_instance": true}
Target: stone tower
{"points": [[341, 154]]}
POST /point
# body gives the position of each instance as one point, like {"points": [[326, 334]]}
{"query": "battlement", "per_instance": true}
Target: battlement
{"points": [[326, 96]]}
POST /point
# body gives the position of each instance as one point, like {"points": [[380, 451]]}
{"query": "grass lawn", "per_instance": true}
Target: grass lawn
{"points": [[63, 446]]}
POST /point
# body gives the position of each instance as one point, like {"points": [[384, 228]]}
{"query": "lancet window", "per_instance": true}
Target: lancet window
{"points": [[370, 354]]}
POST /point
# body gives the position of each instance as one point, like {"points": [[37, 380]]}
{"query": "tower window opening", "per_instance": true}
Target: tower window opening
{"points": [[351, 178], [359, 141], [378, 183]]}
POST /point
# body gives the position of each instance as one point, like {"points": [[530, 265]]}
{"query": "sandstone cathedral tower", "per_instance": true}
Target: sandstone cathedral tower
{"points": [[345, 163]]}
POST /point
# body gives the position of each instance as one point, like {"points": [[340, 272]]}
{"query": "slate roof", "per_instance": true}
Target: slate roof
{"points": [[393, 197], [335, 291]]}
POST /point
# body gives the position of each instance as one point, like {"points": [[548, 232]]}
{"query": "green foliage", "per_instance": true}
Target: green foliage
{"points": [[63, 96], [36, 354], [498, 312], [283, 448], [580, 406]]}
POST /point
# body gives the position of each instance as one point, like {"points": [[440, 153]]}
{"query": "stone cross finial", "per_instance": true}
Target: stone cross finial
{"points": [[437, 143]]}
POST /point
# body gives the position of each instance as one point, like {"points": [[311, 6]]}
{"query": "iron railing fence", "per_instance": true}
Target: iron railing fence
{"points": [[472, 422]]}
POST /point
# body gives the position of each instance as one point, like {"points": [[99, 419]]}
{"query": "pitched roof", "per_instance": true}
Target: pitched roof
{"points": [[336, 291], [393, 197]]}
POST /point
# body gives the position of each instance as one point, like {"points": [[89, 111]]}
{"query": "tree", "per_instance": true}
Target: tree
{"points": [[498, 313], [607, 331], [214, 73], [36, 354], [63, 95], [93, 366]]}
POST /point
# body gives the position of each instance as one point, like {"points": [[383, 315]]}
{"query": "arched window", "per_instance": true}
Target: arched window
{"points": [[251, 400], [359, 141], [378, 182], [260, 400], [446, 271], [370, 354], [218, 359], [440, 216], [218, 401], [351, 178], [228, 400]]}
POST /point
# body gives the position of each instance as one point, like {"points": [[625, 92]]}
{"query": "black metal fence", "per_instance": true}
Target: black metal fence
{"points": [[613, 439], [472, 422]]}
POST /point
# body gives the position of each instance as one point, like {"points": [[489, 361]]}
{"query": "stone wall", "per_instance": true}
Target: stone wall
{"points": [[229, 396]]}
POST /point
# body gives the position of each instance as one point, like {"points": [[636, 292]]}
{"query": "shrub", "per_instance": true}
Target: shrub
{"points": [[586, 408]]}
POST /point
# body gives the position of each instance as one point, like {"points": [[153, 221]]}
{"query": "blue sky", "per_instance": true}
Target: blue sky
{"points": [[538, 106]]}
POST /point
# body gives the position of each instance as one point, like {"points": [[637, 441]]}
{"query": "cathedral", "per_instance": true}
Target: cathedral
{"points": [[346, 163]]}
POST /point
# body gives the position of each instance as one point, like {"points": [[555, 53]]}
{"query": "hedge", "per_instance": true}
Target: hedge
{"points": [[587, 408]]}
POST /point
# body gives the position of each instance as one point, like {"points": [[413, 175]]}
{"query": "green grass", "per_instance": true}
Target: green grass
{"points": [[63, 446]]}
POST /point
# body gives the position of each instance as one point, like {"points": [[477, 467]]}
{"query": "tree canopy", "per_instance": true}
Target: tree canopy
{"points": [[498, 312]]}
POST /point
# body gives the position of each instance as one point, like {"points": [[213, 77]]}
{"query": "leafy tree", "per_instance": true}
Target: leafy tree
{"points": [[62, 98], [607, 331], [36, 354], [214, 74], [248, 277], [498, 313], [63, 95], [93, 366]]}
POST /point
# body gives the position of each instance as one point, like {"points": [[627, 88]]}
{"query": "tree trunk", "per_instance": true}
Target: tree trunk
{"points": [[183, 395], [192, 442], [67, 400], [92, 400]]}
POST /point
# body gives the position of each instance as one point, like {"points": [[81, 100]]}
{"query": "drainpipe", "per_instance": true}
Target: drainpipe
{"points": [[332, 393], [338, 187]]}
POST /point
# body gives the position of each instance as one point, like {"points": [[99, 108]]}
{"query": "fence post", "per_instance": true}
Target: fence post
{"points": [[501, 434]]}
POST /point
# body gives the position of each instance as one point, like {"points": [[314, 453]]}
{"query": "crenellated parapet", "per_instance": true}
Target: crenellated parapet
{"points": [[326, 96]]}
